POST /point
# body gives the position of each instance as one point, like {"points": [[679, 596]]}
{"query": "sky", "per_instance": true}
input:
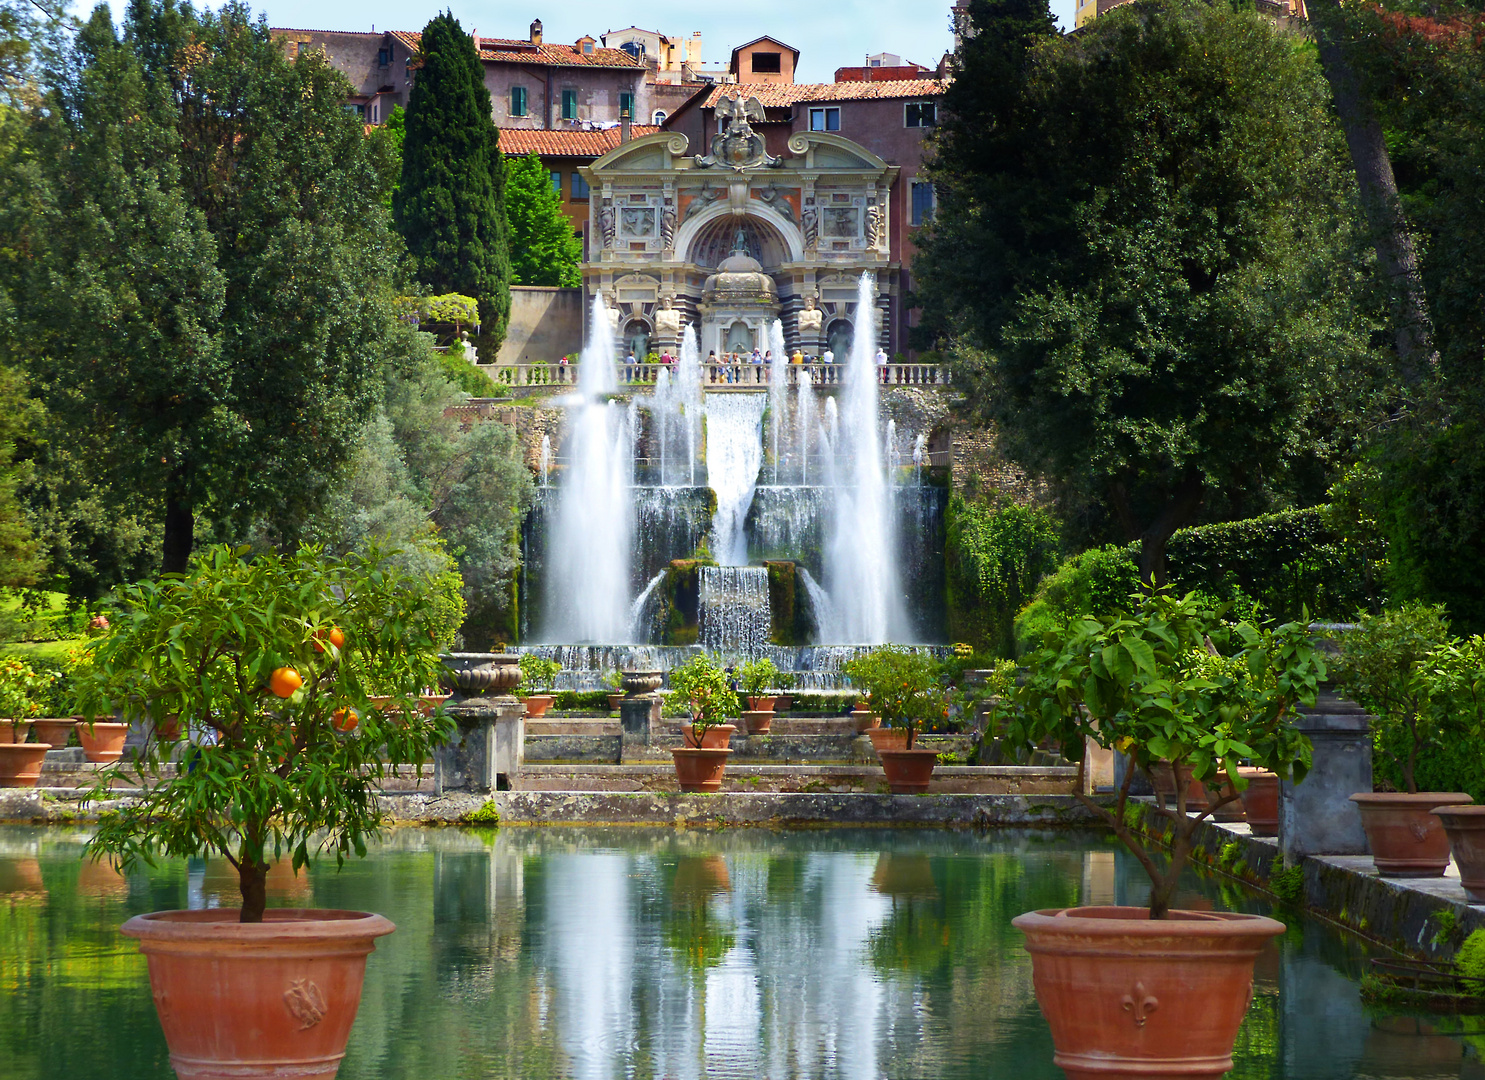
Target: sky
{"points": [[828, 33]]}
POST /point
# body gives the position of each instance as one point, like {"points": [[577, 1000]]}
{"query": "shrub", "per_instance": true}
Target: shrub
{"points": [[1469, 961], [902, 686], [22, 688], [269, 664], [996, 556], [756, 676], [706, 692], [538, 674]]}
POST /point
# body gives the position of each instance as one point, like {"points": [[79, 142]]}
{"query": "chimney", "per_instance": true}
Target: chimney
{"points": [[536, 31], [626, 125]]}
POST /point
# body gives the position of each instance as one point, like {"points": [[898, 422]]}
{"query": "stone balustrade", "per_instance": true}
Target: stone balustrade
{"points": [[718, 376]]}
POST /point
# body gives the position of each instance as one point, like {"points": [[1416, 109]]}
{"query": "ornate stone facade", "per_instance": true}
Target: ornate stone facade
{"points": [[729, 237]]}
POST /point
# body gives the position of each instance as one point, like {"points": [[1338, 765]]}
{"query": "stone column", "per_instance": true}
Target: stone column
{"points": [[488, 745], [638, 710], [1317, 816]]}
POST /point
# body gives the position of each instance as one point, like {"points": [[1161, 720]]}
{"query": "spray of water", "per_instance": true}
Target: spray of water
{"points": [[734, 454], [546, 460], [778, 392], [587, 594], [688, 397]]}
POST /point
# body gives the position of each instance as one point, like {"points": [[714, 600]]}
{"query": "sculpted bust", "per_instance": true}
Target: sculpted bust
{"points": [[811, 317], [667, 319]]}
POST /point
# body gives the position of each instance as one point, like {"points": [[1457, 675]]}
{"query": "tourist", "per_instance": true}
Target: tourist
{"points": [[757, 357], [798, 357], [882, 365], [665, 358], [630, 359], [768, 357], [827, 357]]}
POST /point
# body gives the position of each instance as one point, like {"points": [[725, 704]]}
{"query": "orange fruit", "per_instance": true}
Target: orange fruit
{"points": [[335, 635], [284, 681], [344, 720]]}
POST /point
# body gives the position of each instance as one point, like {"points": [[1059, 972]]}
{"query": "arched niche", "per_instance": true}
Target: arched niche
{"points": [[707, 238], [839, 337]]}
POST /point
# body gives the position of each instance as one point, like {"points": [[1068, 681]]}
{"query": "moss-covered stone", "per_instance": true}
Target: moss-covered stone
{"points": [[784, 613], [682, 589]]}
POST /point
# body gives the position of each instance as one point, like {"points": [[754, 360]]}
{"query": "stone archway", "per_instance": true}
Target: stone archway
{"points": [[637, 338], [708, 238], [840, 338]]}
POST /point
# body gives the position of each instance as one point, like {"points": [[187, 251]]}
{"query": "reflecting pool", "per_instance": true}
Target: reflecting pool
{"points": [[651, 954]]}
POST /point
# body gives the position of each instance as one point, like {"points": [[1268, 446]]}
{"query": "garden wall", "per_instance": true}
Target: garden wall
{"points": [[546, 323]]}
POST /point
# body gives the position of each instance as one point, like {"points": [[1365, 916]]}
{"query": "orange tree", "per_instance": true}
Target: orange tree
{"points": [[1173, 682], [268, 662], [902, 686]]}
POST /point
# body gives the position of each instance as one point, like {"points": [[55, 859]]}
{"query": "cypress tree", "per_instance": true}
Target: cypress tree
{"points": [[451, 206]]}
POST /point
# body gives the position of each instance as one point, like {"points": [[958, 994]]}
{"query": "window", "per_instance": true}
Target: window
{"points": [[569, 104], [356, 109], [579, 187], [922, 202], [384, 58], [587, 46], [374, 118], [659, 117], [557, 182], [518, 101], [626, 104], [634, 48], [922, 113], [825, 119], [767, 63]]}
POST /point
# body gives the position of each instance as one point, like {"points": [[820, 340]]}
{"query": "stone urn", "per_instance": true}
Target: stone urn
{"points": [[640, 683], [472, 675]]}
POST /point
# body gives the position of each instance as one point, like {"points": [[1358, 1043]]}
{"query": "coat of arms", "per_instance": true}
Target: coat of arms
{"points": [[737, 146]]}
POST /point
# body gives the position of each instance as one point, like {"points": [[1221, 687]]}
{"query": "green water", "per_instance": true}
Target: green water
{"points": [[600, 954]]}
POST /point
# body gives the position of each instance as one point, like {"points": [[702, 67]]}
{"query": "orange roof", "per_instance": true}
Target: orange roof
{"points": [[783, 95], [522, 51], [575, 144]]}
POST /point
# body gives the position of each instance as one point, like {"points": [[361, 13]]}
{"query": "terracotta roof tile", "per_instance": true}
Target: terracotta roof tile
{"points": [[576, 144], [784, 95], [521, 51]]}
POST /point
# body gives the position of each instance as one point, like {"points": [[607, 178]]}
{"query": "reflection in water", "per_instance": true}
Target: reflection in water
{"points": [[655, 955]]}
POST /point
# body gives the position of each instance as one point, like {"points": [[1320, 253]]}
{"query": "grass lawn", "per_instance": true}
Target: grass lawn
{"points": [[49, 652]]}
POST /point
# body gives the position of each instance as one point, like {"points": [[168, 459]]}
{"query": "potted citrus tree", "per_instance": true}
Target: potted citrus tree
{"points": [[1153, 990], [706, 693], [754, 679], [538, 678], [1404, 667], [904, 688], [20, 686], [267, 660]]}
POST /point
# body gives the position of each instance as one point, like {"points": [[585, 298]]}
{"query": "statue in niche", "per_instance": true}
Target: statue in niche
{"points": [[876, 226], [667, 318], [704, 198], [667, 226], [740, 243], [606, 223], [811, 318], [811, 225]]}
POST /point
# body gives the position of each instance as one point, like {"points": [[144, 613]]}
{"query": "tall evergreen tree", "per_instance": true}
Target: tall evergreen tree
{"points": [[543, 248], [205, 293], [450, 208]]}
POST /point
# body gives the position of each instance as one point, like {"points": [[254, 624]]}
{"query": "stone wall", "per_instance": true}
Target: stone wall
{"points": [[546, 323]]}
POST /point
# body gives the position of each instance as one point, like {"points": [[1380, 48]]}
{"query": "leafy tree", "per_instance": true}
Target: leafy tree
{"points": [[18, 561], [450, 206], [205, 299], [997, 554], [394, 132], [1144, 239], [543, 248]]}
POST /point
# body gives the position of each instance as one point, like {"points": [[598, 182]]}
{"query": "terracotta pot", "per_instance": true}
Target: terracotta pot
{"points": [[700, 769], [167, 729], [1261, 801], [102, 741], [1405, 837], [904, 875], [783, 702], [908, 771], [428, 703], [758, 721], [538, 704], [21, 877], [20, 763], [716, 737], [1163, 780], [54, 730], [700, 876], [613, 702], [887, 738], [1130, 998], [1232, 811], [268, 999], [14, 731], [761, 704], [1465, 826], [865, 720]]}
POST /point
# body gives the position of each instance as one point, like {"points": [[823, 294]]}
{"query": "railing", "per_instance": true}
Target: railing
{"points": [[719, 375]]}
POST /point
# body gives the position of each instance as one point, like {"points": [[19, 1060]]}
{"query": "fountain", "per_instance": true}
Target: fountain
{"points": [[734, 453]]}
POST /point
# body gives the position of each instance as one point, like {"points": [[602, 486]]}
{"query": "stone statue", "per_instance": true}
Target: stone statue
{"points": [[737, 146], [667, 318], [811, 226], [667, 226], [811, 318], [606, 223], [470, 352], [611, 310], [740, 242], [704, 198], [774, 198], [876, 226]]}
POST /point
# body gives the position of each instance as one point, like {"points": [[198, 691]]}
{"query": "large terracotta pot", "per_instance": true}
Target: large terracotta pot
{"points": [[20, 763], [1163, 779], [1229, 811], [761, 704], [908, 771], [887, 739], [55, 731], [783, 702], [1405, 837], [1465, 827], [1131, 998], [864, 719], [101, 741], [269, 999], [1261, 801], [538, 704], [700, 769], [14, 731], [716, 737], [613, 702], [758, 721]]}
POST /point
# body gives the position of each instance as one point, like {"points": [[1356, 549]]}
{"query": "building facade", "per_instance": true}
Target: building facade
{"points": [[380, 66]]}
